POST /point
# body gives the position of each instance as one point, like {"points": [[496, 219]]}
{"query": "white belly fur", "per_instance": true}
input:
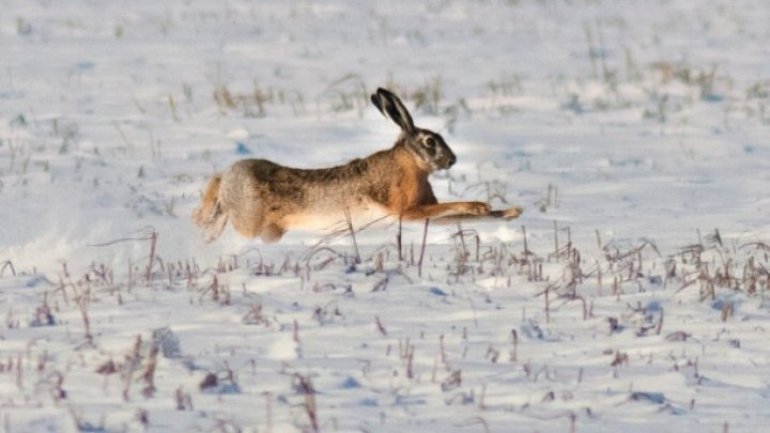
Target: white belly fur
{"points": [[330, 220]]}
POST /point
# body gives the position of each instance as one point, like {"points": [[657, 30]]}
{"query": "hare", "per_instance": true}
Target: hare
{"points": [[262, 198]]}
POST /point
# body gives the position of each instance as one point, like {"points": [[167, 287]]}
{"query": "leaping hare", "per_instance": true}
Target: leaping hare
{"points": [[262, 198]]}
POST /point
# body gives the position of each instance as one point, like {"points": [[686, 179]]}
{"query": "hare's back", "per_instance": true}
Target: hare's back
{"points": [[262, 177]]}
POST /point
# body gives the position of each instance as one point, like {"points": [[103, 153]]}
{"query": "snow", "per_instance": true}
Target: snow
{"points": [[634, 134]]}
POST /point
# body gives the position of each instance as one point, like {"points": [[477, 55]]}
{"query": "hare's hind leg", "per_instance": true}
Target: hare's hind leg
{"points": [[249, 226], [253, 227], [204, 214], [249, 220], [243, 203], [215, 228], [272, 233], [209, 216], [252, 208]]}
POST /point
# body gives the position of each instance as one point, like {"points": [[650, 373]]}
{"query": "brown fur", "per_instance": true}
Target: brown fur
{"points": [[262, 198]]}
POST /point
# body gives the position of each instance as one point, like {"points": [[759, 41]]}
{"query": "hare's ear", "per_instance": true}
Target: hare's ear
{"points": [[392, 107]]}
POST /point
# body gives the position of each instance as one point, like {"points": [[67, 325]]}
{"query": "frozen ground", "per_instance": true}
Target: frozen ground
{"points": [[635, 134]]}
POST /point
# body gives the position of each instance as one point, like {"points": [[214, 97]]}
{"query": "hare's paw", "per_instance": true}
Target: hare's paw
{"points": [[474, 208], [512, 212]]}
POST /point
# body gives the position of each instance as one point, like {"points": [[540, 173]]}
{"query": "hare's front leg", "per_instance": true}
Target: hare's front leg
{"points": [[495, 215], [443, 210]]}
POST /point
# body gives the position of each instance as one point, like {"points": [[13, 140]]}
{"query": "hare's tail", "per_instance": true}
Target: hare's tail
{"points": [[209, 215]]}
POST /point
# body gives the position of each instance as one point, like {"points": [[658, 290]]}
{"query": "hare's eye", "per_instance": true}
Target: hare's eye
{"points": [[430, 142]]}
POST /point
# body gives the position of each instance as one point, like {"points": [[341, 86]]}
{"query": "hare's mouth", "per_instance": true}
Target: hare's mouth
{"points": [[438, 166], [447, 162]]}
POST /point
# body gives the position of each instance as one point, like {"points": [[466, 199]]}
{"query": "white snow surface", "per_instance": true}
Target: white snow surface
{"points": [[635, 135]]}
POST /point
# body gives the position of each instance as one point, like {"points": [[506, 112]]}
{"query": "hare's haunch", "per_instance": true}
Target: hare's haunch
{"points": [[262, 198]]}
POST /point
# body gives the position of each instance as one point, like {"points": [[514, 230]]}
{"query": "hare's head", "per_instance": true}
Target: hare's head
{"points": [[429, 148]]}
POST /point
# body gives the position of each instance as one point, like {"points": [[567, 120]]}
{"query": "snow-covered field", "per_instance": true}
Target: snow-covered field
{"points": [[630, 296]]}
